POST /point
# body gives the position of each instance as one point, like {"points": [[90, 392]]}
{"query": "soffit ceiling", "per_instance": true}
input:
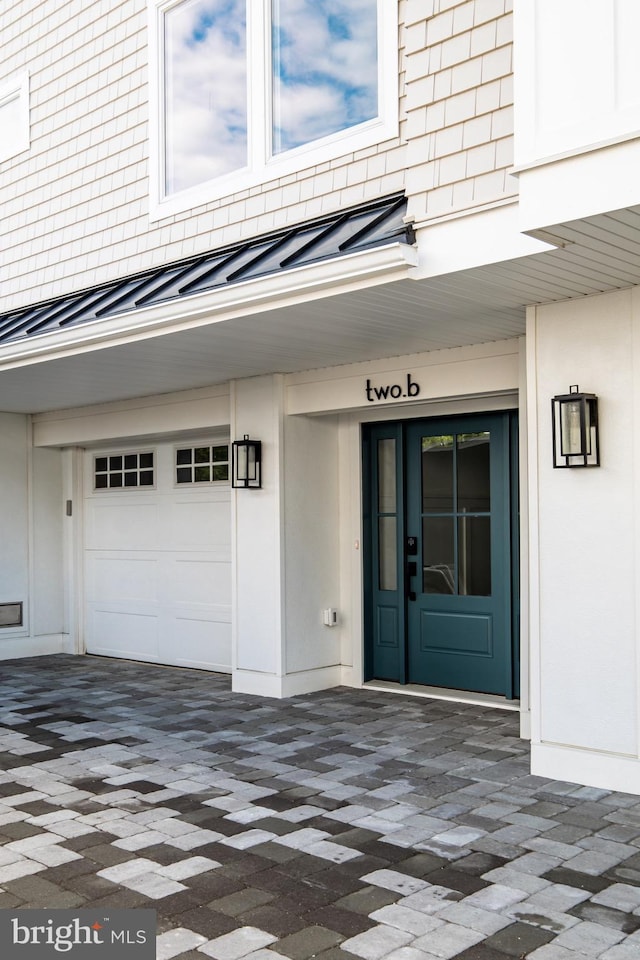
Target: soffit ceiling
{"points": [[407, 316]]}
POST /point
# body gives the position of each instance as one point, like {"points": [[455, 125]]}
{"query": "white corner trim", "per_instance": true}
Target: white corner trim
{"points": [[578, 151], [43, 645], [586, 767], [290, 685], [15, 127], [525, 724], [301, 284]]}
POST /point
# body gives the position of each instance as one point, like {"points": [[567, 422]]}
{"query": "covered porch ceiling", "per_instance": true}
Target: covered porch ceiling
{"points": [[387, 314]]}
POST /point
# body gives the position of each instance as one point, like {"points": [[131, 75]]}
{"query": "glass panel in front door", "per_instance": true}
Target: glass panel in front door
{"points": [[456, 505], [437, 474], [387, 515]]}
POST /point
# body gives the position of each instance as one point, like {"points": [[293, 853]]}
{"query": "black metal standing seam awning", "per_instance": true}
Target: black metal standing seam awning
{"points": [[356, 230]]}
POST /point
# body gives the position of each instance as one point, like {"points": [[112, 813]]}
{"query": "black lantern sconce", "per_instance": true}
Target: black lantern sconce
{"points": [[575, 429], [246, 463]]}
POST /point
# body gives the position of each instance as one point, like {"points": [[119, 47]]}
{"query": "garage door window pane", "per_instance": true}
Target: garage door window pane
{"points": [[208, 464], [123, 471]]}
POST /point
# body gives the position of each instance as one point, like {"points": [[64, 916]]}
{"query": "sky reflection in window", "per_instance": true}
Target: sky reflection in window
{"points": [[205, 92], [324, 80], [325, 70]]}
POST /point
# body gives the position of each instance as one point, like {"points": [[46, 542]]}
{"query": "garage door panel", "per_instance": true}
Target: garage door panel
{"points": [[203, 644], [121, 578], [198, 524], [124, 634], [122, 526], [158, 570], [198, 581]]}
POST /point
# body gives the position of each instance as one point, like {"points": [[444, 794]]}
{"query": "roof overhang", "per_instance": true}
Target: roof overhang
{"points": [[340, 275]]}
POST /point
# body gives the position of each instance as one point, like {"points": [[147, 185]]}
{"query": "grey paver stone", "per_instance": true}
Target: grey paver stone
{"points": [[496, 897], [592, 862], [620, 896], [519, 939], [483, 921], [547, 919], [251, 838], [591, 938], [239, 943], [410, 953], [551, 951], [432, 899], [412, 921], [177, 941], [448, 940], [153, 885], [377, 942], [21, 868], [556, 897], [129, 868], [392, 880], [621, 951], [307, 943], [506, 877]]}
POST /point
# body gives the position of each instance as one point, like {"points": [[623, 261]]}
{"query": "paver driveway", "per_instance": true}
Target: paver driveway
{"points": [[342, 824]]}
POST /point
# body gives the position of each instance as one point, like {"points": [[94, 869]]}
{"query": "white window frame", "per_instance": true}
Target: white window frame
{"points": [[261, 167], [199, 484], [16, 141], [123, 452]]}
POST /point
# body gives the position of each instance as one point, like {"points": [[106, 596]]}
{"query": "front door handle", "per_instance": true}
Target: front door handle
{"points": [[412, 571]]}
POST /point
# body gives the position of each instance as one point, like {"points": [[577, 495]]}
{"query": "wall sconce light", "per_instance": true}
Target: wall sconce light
{"points": [[575, 429], [246, 462]]}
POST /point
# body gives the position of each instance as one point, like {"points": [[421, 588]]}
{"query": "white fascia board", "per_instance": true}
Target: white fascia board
{"points": [[473, 239], [342, 274]]}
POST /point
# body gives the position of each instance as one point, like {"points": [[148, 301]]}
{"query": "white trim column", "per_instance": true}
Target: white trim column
{"points": [[258, 662]]}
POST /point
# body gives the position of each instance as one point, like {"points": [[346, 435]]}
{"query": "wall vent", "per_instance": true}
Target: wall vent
{"points": [[11, 614]]}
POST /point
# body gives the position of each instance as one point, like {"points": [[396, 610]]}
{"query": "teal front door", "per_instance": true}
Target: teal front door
{"points": [[440, 553]]}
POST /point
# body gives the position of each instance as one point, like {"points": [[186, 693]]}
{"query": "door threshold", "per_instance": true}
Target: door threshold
{"points": [[443, 693]]}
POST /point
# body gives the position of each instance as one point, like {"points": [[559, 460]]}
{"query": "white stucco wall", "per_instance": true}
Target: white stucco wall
{"points": [[312, 535], [584, 563], [31, 518], [48, 518], [14, 506], [257, 604], [285, 548]]}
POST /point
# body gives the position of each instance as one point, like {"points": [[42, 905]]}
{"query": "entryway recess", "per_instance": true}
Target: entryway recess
{"points": [[441, 552]]}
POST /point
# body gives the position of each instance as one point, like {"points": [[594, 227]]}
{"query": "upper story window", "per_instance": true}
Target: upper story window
{"points": [[14, 116], [250, 90]]}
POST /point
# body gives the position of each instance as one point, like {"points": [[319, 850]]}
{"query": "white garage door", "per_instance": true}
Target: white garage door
{"points": [[158, 554]]}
